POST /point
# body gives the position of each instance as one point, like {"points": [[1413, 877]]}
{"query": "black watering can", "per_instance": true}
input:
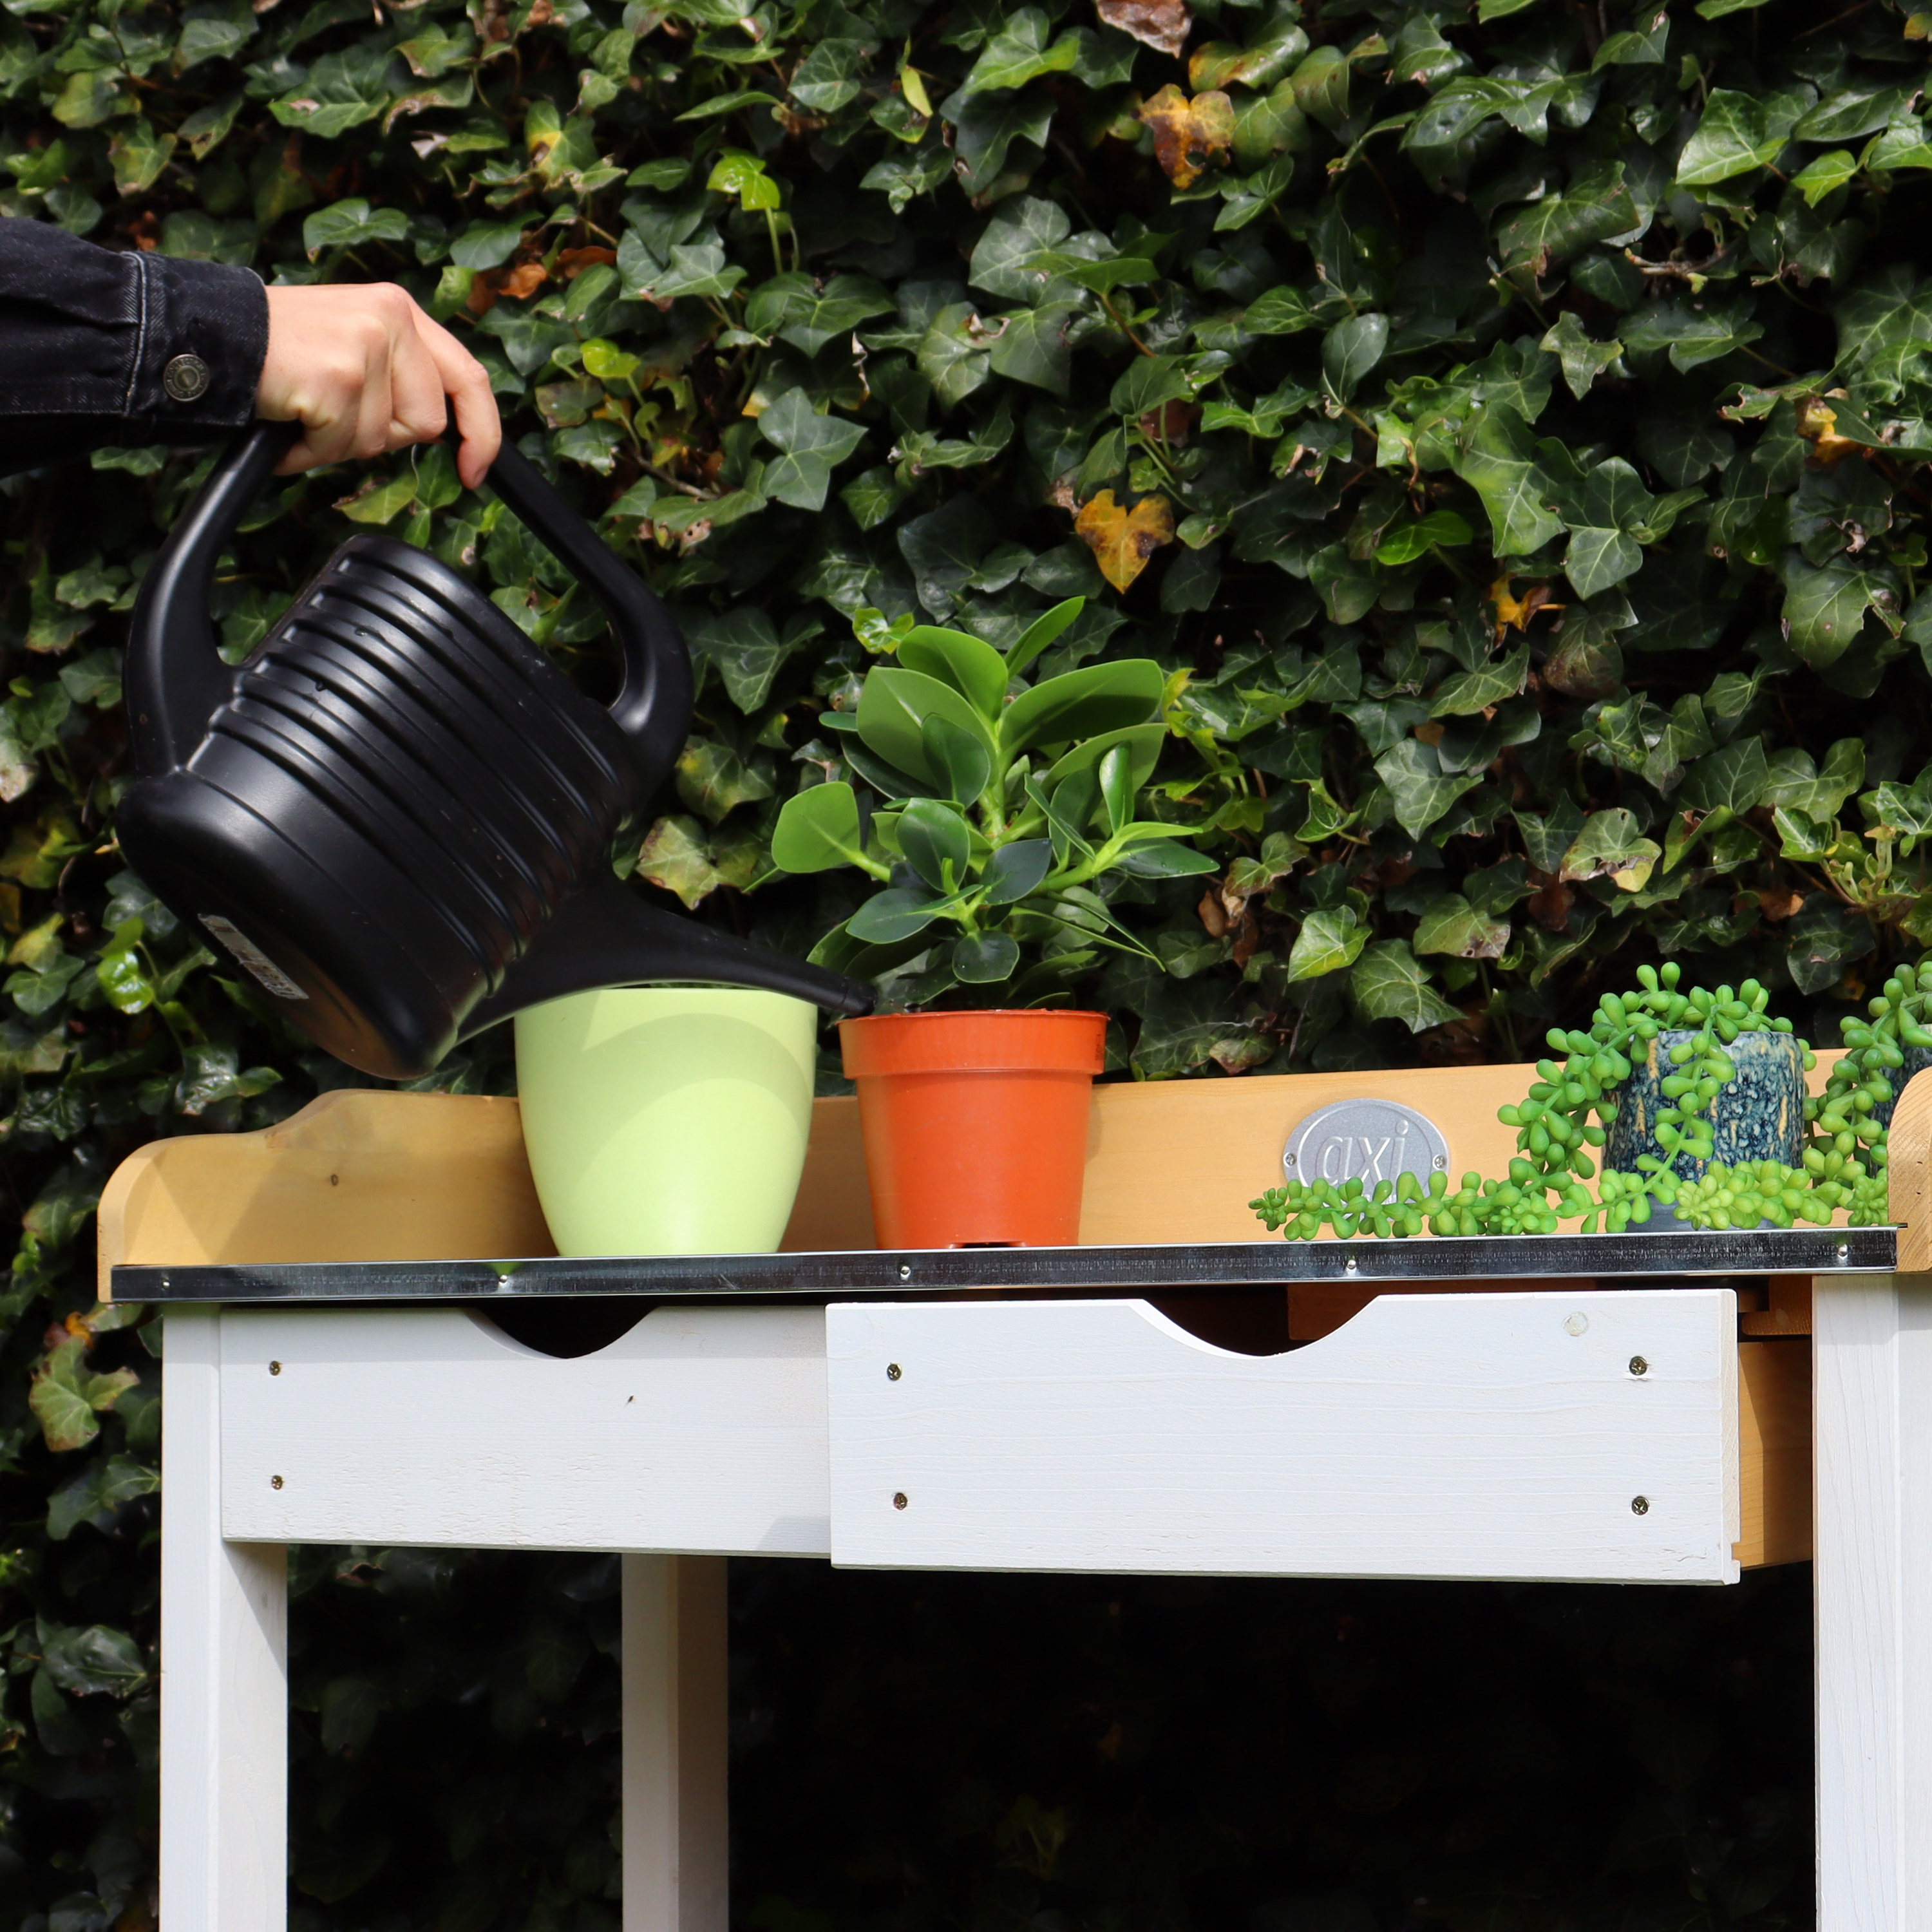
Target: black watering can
{"points": [[397, 813]]}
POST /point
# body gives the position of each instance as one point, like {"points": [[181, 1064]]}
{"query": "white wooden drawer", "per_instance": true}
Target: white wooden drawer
{"points": [[1451, 1435]]}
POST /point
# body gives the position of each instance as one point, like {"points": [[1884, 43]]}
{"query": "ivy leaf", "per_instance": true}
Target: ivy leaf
{"points": [[954, 354], [1824, 605], [1389, 983], [1452, 925], [714, 780], [66, 1396], [1015, 256], [1327, 942], [1036, 346], [1422, 791], [1737, 133], [1695, 330], [1596, 206], [1611, 846], [91, 1661], [1351, 350], [1019, 52], [342, 90], [813, 446], [744, 647], [1582, 360], [1190, 136], [796, 310], [1498, 461], [1885, 328], [1733, 780], [1122, 539], [1792, 781], [986, 126], [1489, 683], [677, 857]]}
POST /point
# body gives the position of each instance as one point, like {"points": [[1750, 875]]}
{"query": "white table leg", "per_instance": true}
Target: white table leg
{"points": [[224, 1668], [1872, 1344], [676, 1836]]}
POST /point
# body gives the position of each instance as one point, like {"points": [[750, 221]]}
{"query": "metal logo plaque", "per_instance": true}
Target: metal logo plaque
{"points": [[1366, 1141]]}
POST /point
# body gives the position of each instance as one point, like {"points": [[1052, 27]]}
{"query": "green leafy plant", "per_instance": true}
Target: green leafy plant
{"points": [[1001, 809], [1547, 1180]]}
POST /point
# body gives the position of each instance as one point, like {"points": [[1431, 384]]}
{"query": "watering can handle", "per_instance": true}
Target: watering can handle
{"points": [[176, 680], [652, 709]]}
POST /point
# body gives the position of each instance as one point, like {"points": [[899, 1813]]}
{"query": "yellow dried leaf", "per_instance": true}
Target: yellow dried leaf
{"points": [[1819, 426], [1189, 136], [1121, 539], [1513, 613], [1156, 23]]}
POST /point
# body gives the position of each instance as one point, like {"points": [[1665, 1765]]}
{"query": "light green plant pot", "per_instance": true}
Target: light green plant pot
{"points": [[666, 1120]]}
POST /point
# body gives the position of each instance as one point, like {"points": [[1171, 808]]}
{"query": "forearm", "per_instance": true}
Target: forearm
{"points": [[103, 347]]}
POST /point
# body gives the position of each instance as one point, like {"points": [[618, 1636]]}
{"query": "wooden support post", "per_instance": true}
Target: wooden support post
{"points": [[224, 1669], [1873, 1578], [676, 1835]]}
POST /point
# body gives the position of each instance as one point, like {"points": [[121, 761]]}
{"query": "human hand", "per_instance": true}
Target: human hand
{"points": [[365, 371]]}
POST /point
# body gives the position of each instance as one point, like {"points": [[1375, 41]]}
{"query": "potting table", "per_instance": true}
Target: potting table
{"points": [[368, 1339]]}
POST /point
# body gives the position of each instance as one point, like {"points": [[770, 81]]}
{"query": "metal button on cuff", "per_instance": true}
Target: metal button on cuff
{"points": [[185, 378]]}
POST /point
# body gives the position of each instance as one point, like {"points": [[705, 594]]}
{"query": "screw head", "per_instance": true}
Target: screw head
{"points": [[274, 1482], [905, 1270], [892, 1372], [1844, 1252], [1288, 1160], [1640, 1505], [1578, 1324], [1639, 1366], [898, 1499], [274, 1368], [1351, 1266], [1441, 1160]]}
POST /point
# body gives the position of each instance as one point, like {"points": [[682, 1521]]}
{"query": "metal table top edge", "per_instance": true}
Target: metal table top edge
{"points": [[1175, 1268]]}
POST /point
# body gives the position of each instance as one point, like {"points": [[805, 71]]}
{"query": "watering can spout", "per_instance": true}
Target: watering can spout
{"points": [[606, 935]]}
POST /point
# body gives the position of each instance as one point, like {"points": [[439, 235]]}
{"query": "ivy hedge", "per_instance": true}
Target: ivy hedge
{"points": [[1504, 423]]}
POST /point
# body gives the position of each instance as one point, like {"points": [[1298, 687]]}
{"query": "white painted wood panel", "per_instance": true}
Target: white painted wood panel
{"points": [[224, 1670], [677, 1830], [1872, 1574], [702, 1430], [1452, 1436]]}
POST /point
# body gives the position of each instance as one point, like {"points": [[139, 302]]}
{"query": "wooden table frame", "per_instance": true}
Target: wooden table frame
{"points": [[705, 1432]]}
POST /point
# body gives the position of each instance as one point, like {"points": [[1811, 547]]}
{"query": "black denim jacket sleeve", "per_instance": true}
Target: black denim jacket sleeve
{"points": [[98, 347]]}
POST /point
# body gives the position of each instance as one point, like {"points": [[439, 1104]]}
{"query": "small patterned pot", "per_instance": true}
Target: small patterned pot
{"points": [[1758, 1116], [1917, 1059]]}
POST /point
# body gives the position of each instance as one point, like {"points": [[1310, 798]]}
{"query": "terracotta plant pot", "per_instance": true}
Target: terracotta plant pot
{"points": [[975, 1123]]}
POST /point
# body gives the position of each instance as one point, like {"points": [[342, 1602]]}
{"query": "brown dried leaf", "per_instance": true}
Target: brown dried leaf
{"points": [[1164, 24], [1779, 903], [524, 279], [1122, 540], [1171, 424], [1189, 136], [571, 263], [1550, 907]]}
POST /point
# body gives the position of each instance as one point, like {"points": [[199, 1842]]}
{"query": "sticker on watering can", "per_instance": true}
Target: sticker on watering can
{"points": [[1366, 1141], [252, 956]]}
